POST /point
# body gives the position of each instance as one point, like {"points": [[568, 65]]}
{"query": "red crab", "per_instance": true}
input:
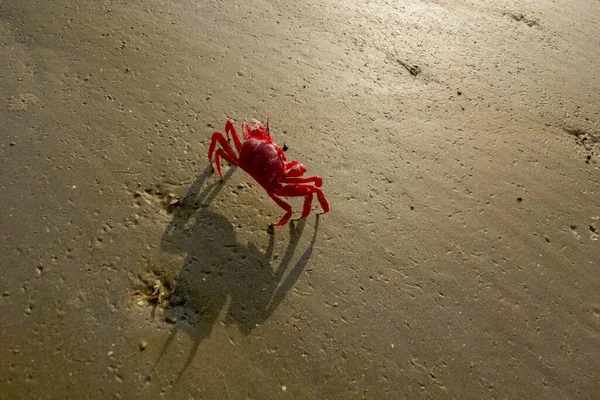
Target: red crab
{"points": [[266, 163]]}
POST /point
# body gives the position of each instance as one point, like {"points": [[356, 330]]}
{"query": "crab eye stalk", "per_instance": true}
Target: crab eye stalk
{"points": [[285, 148]]}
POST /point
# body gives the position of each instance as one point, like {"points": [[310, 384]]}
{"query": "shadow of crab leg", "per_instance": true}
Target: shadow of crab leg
{"points": [[285, 206]]}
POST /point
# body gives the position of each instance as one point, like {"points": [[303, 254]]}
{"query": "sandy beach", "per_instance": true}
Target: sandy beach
{"points": [[458, 142]]}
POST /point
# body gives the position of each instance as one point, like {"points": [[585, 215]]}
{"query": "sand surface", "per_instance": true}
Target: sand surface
{"points": [[460, 257]]}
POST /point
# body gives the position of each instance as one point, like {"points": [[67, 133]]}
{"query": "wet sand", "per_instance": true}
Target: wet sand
{"points": [[458, 143]]}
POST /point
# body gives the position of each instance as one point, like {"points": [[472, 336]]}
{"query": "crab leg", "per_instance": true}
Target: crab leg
{"points": [[306, 207], [318, 181], [306, 191], [217, 137], [298, 191], [230, 128], [225, 151], [220, 153], [294, 168], [322, 201], [285, 206]]}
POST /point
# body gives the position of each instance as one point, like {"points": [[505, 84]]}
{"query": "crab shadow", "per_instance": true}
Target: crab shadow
{"points": [[222, 280]]}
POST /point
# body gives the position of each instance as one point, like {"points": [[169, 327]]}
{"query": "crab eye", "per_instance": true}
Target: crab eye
{"points": [[285, 147]]}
